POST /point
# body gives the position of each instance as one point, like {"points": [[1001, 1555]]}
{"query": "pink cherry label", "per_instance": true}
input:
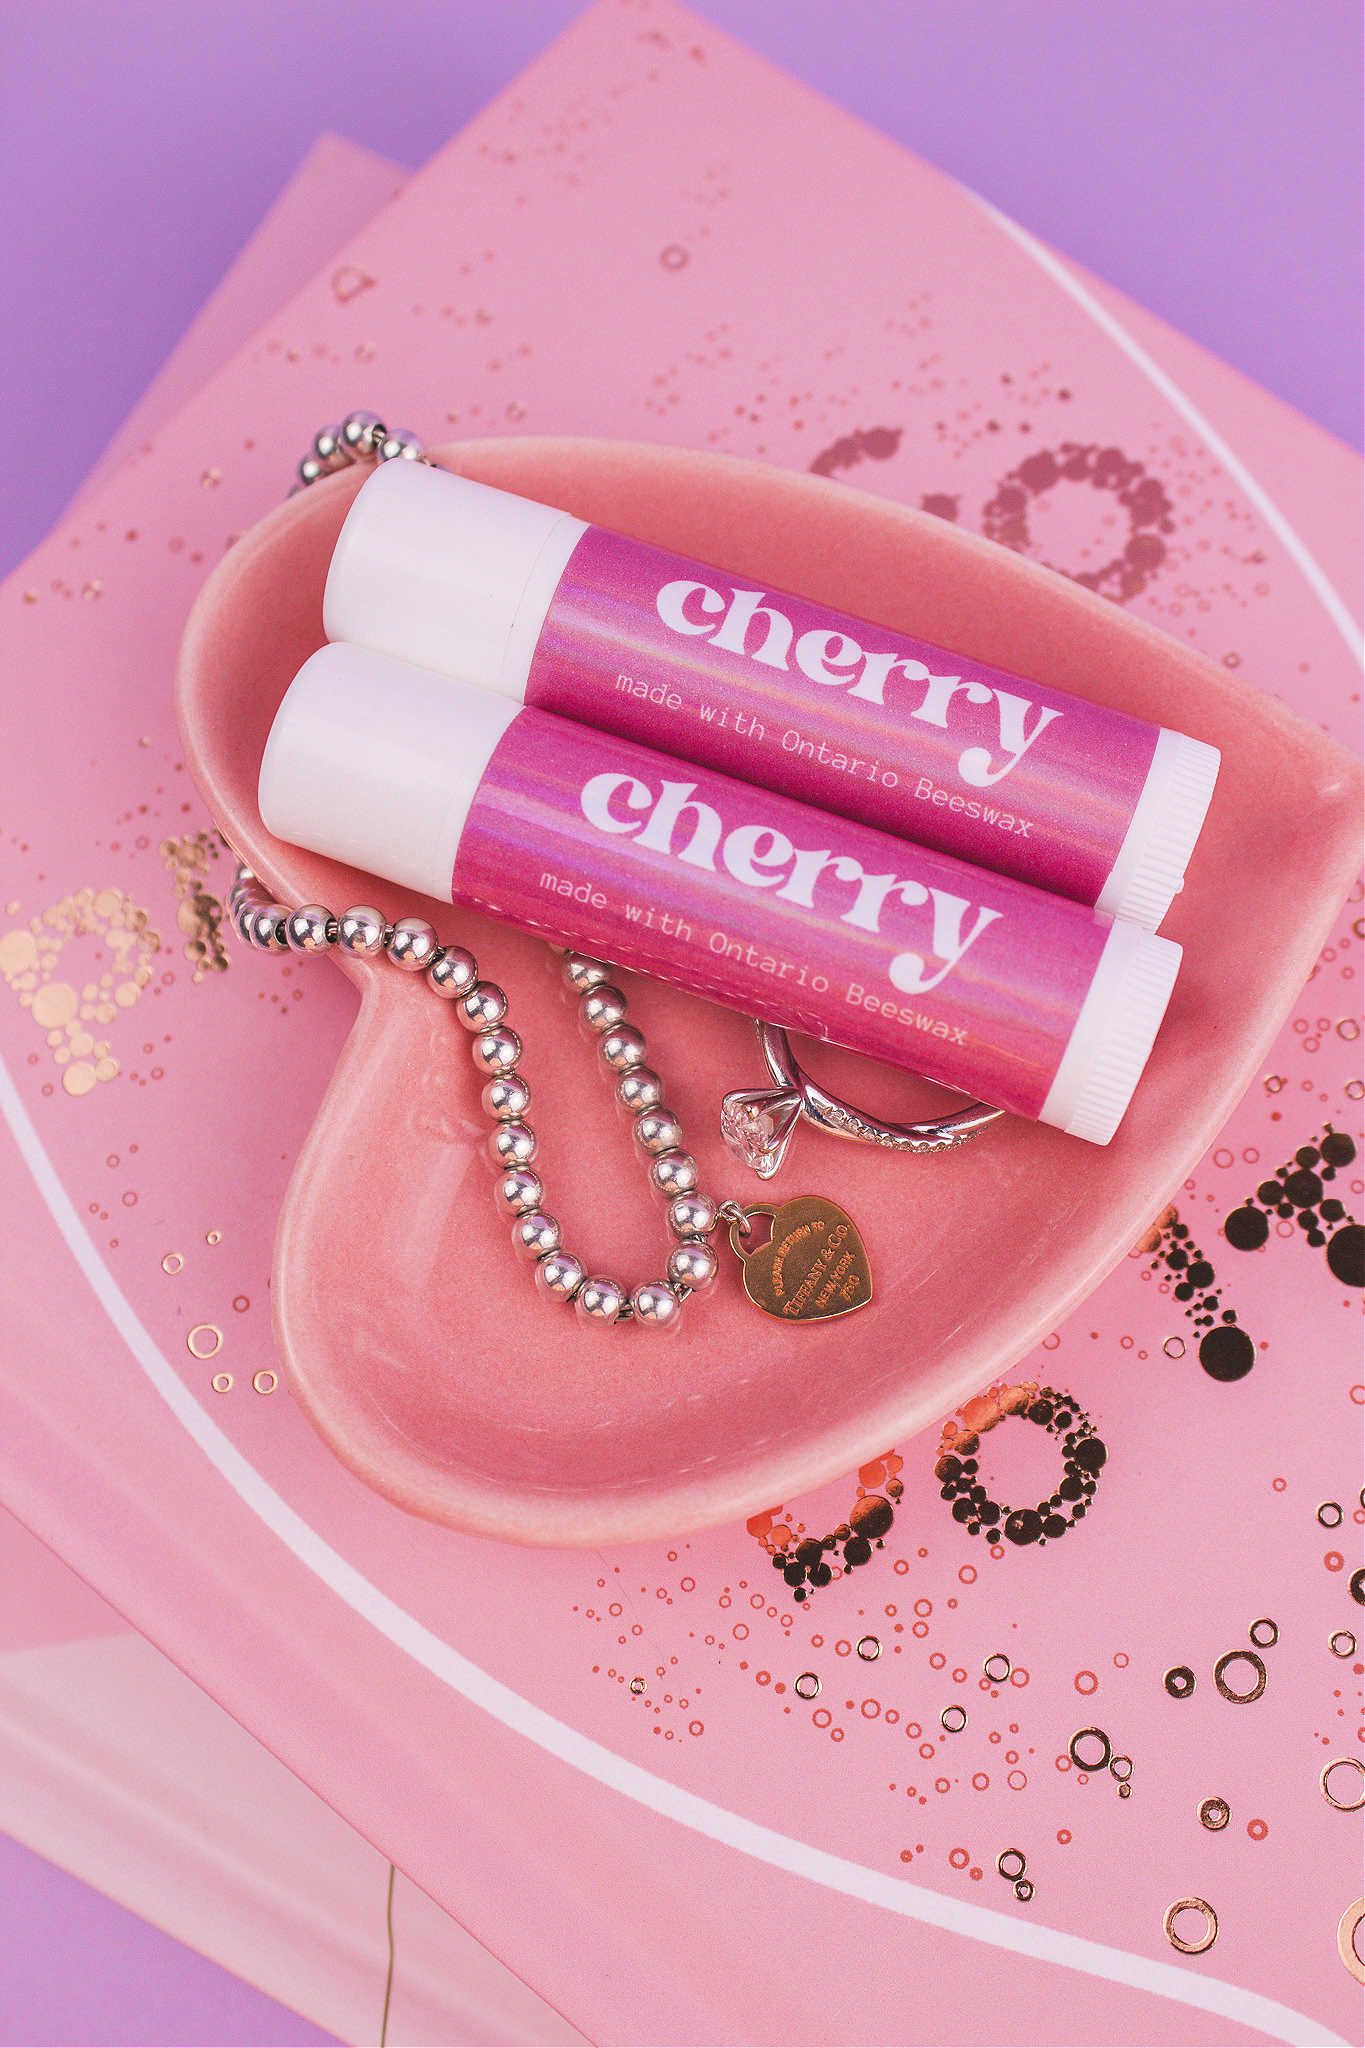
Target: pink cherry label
{"points": [[771, 907], [863, 721]]}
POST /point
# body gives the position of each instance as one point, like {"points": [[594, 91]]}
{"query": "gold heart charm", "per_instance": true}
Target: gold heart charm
{"points": [[813, 1266]]}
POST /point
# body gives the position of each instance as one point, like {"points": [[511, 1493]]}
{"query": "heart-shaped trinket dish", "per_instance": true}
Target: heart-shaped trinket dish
{"points": [[406, 1323]]}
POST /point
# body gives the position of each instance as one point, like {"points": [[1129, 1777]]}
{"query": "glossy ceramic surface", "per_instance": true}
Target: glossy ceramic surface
{"points": [[408, 1327]]}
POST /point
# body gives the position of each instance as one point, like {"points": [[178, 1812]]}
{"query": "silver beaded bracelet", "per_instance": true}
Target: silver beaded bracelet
{"points": [[481, 1006]]}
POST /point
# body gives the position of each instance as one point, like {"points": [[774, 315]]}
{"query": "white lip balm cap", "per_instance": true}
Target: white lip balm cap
{"points": [[448, 573], [1113, 1034], [376, 763], [1150, 869]]}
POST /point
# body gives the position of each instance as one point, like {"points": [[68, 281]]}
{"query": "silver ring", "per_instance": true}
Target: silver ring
{"points": [[758, 1123]]}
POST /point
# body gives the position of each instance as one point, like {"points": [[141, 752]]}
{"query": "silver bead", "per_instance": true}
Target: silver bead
{"points": [[483, 1007], [398, 445], [535, 1233], [692, 1264], [506, 1097], [673, 1173], [512, 1144], [600, 1300], [329, 449], [520, 1190], [656, 1306], [623, 1047], [657, 1130], [582, 972], [242, 914], [560, 1275], [496, 1051], [601, 1009], [413, 944], [310, 469], [266, 927], [453, 972], [640, 1088], [358, 430], [308, 929], [361, 930], [692, 1215]]}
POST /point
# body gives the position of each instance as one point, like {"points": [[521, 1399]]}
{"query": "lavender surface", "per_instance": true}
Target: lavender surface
{"points": [[1202, 155]]}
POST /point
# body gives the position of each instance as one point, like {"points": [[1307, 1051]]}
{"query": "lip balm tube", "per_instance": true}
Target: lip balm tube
{"points": [[711, 668], [764, 904]]}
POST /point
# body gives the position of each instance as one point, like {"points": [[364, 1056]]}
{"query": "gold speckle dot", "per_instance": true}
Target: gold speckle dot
{"points": [[173, 1262], [205, 1340], [92, 589], [106, 1069], [213, 1237], [265, 1381], [211, 479], [79, 1078], [222, 1383], [17, 952], [56, 1004], [349, 282]]}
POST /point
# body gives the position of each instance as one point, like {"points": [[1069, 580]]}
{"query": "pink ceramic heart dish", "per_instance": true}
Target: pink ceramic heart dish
{"points": [[403, 1317]]}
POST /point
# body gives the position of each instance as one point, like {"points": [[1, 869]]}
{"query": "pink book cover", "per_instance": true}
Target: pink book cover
{"points": [[116, 1766], [712, 1853], [102, 1739]]}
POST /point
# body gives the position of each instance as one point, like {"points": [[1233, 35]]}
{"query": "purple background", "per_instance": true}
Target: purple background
{"points": [[1201, 154], [76, 1968]]}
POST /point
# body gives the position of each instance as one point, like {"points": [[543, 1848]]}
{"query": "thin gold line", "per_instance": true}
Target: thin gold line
{"points": [[388, 1981]]}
